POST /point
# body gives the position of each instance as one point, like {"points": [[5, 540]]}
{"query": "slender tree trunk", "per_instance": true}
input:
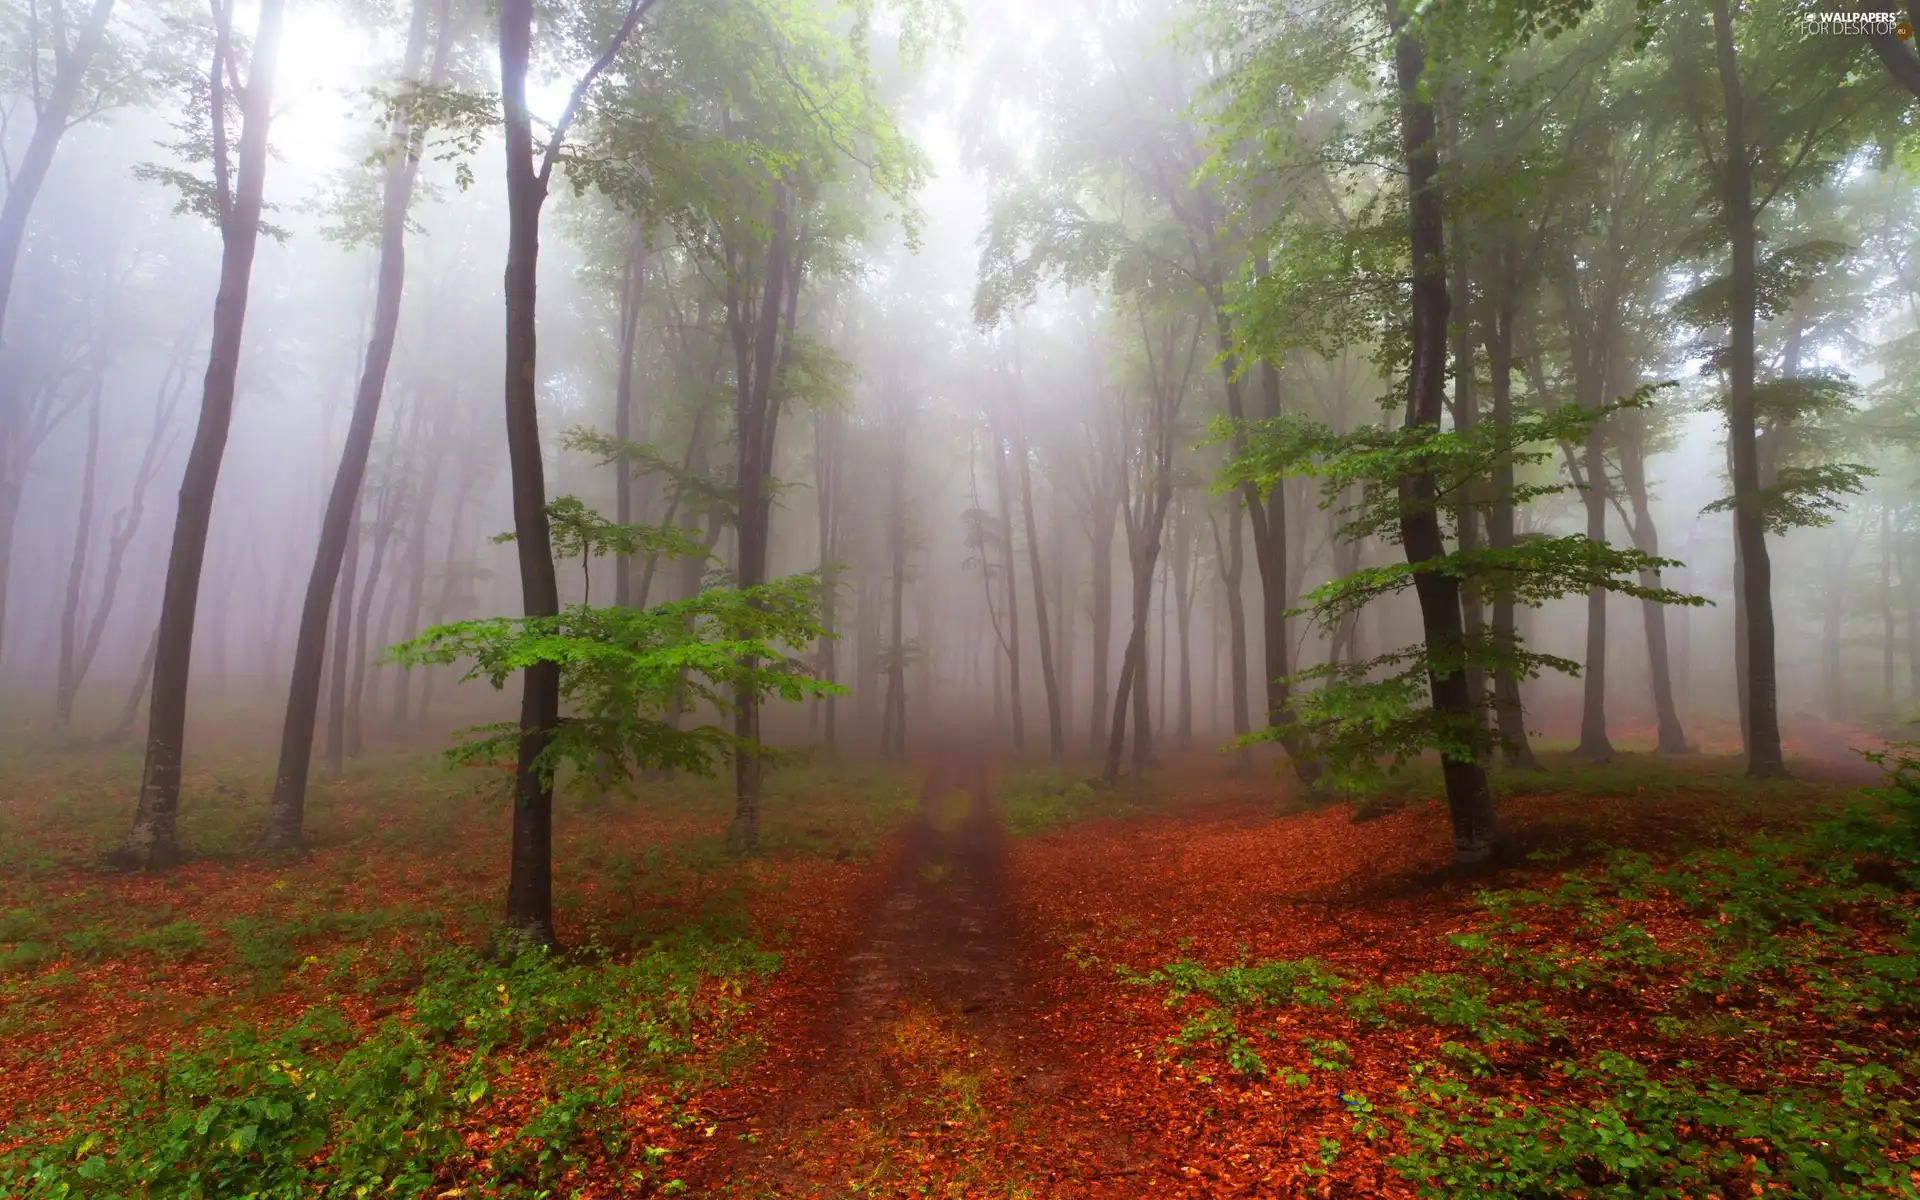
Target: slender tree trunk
{"points": [[1056, 732], [1886, 607], [286, 814], [633, 282], [756, 354], [126, 523], [68, 681], [130, 711], [1009, 582], [1764, 757], [388, 517], [826, 487], [1477, 836], [1910, 583], [1183, 589], [1832, 627], [893, 728], [342, 644], [416, 580], [1646, 539], [529, 914], [1594, 743], [52, 118], [1100, 524], [153, 841], [1509, 712], [1233, 559]]}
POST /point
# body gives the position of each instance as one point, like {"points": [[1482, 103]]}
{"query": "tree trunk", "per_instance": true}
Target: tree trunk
{"points": [[826, 488], [1594, 744], [893, 727], [1100, 524], [387, 517], [130, 711], [1183, 589], [530, 877], [1268, 516], [51, 122], [286, 814], [153, 841], [1509, 712], [1832, 627], [1010, 581], [126, 523], [1056, 732], [756, 422], [68, 681], [416, 579], [1646, 539], [339, 660], [633, 282], [1477, 836], [1764, 757], [1886, 607], [1233, 559]]}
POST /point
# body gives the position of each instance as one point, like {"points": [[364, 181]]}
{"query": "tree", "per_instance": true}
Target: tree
{"points": [[285, 832], [234, 200]]}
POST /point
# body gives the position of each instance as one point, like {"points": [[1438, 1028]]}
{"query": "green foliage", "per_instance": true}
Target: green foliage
{"points": [[320, 1109], [1374, 715], [579, 532], [624, 673], [1642, 1137]]}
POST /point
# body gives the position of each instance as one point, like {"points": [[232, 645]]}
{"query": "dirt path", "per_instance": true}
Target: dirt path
{"points": [[939, 1080]]}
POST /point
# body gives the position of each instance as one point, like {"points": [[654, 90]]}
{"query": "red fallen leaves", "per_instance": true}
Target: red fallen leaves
{"points": [[1360, 897]]}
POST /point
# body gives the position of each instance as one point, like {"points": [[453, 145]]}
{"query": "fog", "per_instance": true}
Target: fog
{"points": [[996, 325]]}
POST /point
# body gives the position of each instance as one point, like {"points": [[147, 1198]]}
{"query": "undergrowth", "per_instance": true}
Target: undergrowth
{"points": [[1780, 990], [325, 1106]]}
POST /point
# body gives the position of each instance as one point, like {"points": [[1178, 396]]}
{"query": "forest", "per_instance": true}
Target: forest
{"points": [[1100, 598]]}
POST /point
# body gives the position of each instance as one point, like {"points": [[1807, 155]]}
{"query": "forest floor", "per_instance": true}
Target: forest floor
{"points": [[957, 979]]}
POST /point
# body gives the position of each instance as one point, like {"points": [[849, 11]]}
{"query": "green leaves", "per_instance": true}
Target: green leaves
{"points": [[626, 674], [1375, 716]]}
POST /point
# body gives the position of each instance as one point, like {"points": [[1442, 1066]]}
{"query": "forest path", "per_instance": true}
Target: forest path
{"points": [[938, 1080]]}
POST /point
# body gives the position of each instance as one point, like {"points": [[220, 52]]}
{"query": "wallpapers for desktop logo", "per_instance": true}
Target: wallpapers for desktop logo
{"points": [[1859, 24]]}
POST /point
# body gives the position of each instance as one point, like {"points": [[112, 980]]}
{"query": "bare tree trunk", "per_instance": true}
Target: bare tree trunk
{"points": [[416, 580], [1056, 732], [1646, 539], [1832, 626], [893, 727], [387, 515], [153, 842], [1764, 757], [756, 422], [1100, 524], [1477, 836], [53, 116], [68, 680], [1886, 607], [1233, 558], [1009, 582], [1509, 712], [827, 456], [1910, 583], [1183, 589], [130, 711], [286, 814], [1594, 743], [633, 282], [343, 628], [126, 523]]}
